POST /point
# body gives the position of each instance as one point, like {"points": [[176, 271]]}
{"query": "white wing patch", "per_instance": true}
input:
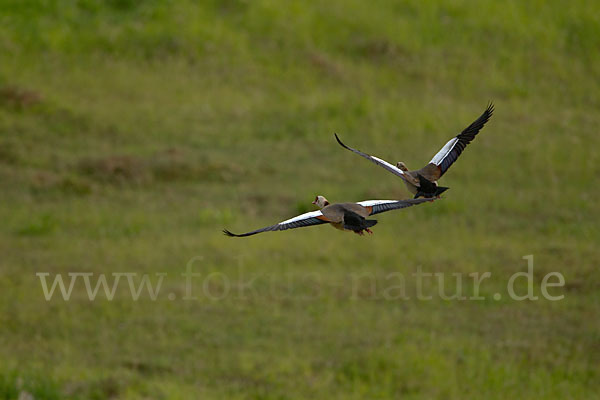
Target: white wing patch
{"points": [[307, 215], [387, 164], [370, 203], [439, 157]]}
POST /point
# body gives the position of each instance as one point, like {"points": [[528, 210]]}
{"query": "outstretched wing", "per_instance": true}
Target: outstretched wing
{"points": [[444, 158], [393, 169], [307, 219], [379, 206]]}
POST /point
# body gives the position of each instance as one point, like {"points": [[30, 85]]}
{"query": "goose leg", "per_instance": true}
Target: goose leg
{"points": [[370, 232]]}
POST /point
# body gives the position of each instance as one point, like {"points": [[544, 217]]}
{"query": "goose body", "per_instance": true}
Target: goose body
{"points": [[348, 216], [423, 182], [344, 216]]}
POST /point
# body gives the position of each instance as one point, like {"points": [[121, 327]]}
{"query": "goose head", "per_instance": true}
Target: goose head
{"points": [[320, 201], [401, 166]]}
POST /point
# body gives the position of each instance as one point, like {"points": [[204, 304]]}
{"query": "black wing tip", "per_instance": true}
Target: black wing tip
{"points": [[230, 234], [340, 142], [472, 130], [490, 109]]}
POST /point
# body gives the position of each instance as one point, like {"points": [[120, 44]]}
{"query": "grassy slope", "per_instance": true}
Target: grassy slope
{"points": [[131, 134]]}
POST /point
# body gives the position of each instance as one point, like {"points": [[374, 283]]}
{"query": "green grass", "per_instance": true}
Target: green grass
{"points": [[132, 132]]}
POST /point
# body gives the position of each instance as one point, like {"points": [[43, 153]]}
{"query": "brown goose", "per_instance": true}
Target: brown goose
{"points": [[344, 216], [423, 182]]}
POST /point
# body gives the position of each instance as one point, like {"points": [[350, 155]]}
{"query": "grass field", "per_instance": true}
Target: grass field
{"points": [[133, 132]]}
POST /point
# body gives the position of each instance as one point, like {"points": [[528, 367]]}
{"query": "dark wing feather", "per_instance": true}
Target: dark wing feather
{"points": [[440, 163], [311, 218], [379, 206], [382, 163]]}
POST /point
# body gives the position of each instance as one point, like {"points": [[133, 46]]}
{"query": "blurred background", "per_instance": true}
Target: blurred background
{"points": [[133, 132]]}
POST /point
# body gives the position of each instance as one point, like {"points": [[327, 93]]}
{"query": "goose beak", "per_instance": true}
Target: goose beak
{"points": [[314, 202]]}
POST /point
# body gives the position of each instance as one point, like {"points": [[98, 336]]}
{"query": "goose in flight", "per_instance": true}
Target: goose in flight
{"points": [[344, 216], [423, 182]]}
